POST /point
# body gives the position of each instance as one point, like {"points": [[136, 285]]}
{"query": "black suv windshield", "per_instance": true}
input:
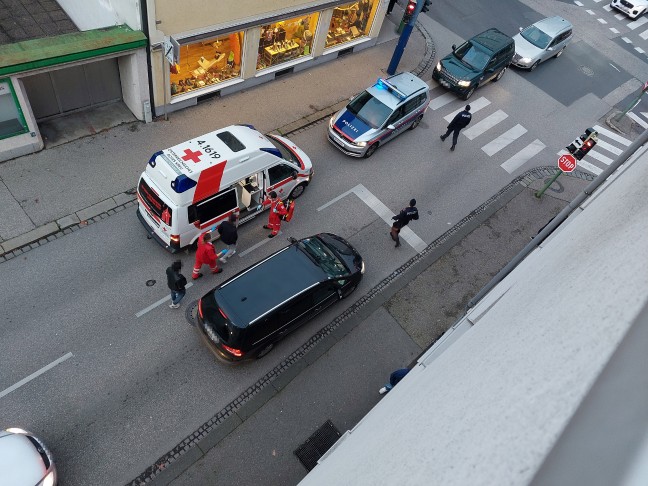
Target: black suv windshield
{"points": [[536, 37], [472, 56], [324, 257], [369, 109]]}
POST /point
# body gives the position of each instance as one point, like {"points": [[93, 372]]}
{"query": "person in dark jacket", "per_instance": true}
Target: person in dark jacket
{"points": [[459, 122], [229, 236], [176, 282], [390, 6], [394, 378], [401, 219]]}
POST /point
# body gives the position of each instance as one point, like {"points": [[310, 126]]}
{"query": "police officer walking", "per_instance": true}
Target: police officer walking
{"points": [[401, 219], [459, 122]]}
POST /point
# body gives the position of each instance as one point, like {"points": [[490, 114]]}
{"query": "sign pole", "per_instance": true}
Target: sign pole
{"points": [[539, 194], [166, 87], [634, 103]]}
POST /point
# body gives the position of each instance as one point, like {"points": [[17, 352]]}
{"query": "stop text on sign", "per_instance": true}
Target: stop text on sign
{"points": [[567, 163]]}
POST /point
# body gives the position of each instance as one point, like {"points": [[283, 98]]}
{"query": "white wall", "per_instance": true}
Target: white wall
{"points": [[95, 14]]}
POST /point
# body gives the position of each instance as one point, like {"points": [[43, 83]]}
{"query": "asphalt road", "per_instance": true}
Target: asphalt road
{"points": [[128, 388]]}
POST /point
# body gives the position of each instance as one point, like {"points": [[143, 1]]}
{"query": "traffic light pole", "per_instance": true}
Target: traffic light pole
{"points": [[404, 38]]}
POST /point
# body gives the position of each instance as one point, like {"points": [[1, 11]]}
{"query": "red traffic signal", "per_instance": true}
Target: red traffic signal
{"points": [[583, 144], [411, 6]]}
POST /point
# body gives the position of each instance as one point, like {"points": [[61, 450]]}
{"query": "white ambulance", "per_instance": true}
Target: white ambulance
{"points": [[194, 186]]}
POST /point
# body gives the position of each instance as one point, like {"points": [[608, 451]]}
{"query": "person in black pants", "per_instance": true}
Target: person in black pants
{"points": [[390, 7], [459, 122], [401, 219], [176, 283], [229, 236]]}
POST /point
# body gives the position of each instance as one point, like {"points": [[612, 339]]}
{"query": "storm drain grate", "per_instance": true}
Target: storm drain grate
{"points": [[317, 445]]}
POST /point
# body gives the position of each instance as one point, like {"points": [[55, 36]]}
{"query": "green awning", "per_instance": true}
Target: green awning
{"points": [[59, 49]]}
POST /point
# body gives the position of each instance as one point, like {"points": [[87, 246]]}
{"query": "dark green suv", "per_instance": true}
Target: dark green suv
{"points": [[483, 58]]}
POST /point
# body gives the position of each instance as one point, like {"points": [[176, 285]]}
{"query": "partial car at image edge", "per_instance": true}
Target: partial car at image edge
{"points": [[25, 460], [632, 8]]}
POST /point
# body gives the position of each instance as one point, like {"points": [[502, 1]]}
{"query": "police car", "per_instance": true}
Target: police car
{"points": [[379, 114]]}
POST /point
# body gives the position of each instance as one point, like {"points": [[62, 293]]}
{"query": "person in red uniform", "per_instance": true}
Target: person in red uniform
{"points": [[206, 255], [277, 210]]}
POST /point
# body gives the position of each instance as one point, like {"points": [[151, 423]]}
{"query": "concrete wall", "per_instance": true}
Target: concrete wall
{"points": [[134, 83], [26, 143], [95, 14]]}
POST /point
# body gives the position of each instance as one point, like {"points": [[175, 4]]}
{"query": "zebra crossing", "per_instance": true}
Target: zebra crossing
{"points": [[485, 126]]}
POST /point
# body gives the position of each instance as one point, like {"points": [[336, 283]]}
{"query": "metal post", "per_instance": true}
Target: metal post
{"points": [[402, 41], [634, 103], [539, 194], [165, 83]]}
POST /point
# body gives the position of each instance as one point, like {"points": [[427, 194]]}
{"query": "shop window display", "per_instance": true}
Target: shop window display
{"points": [[12, 121], [206, 63], [351, 21], [286, 40]]}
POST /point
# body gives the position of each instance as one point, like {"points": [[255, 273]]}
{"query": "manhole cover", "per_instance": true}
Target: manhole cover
{"points": [[317, 445], [191, 311], [587, 70], [150, 283]]}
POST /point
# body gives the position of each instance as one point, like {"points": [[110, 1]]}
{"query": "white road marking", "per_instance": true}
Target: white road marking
{"points": [[614, 31], [602, 21], [610, 148], [519, 159], [612, 135], [489, 122], [582, 164], [619, 16], [608, 8], [644, 114], [159, 302], [637, 119], [637, 23], [7, 391], [600, 157], [442, 100], [383, 212], [644, 35], [503, 140], [639, 50], [614, 66], [475, 106], [626, 40], [578, 3], [591, 12]]}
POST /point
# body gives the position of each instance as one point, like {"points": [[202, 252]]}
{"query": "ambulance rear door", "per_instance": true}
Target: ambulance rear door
{"points": [[214, 209]]}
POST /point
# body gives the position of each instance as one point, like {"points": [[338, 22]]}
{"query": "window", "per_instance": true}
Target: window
{"points": [[206, 63], [12, 121], [286, 40], [209, 209], [233, 143], [351, 21], [369, 109], [154, 203], [398, 114], [472, 56], [286, 154], [279, 173], [414, 103]]}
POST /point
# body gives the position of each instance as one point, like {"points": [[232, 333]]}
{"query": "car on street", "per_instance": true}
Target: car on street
{"points": [[379, 114], [540, 41], [483, 58], [245, 316], [632, 8], [25, 460]]}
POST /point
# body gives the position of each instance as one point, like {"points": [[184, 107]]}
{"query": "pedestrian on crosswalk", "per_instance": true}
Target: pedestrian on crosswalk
{"points": [[402, 219], [459, 122]]}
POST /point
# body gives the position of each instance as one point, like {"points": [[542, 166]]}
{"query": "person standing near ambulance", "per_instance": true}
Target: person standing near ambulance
{"points": [[228, 235], [277, 211], [206, 255]]}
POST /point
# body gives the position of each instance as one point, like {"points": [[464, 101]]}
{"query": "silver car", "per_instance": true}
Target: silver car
{"points": [[24, 460], [632, 8], [540, 41]]}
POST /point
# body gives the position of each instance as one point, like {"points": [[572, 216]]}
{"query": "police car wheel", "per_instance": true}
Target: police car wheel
{"points": [[501, 73], [416, 122], [558, 54], [264, 351], [469, 93], [534, 65], [297, 191], [370, 151]]}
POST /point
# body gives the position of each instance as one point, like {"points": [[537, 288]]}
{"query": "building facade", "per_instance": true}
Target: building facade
{"points": [[228, 46]]}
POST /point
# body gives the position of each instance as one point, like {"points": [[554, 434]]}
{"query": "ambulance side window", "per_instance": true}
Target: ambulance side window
{"points": [[280, 172], [213, 207]]}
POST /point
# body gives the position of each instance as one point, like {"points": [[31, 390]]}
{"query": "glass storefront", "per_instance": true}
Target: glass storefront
{"points": [[286, 40], [351, 21], [206, 63], [12, 121]]}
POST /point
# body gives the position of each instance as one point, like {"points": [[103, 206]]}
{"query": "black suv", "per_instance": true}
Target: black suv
{"points": [[245, 315], [477, 61]]}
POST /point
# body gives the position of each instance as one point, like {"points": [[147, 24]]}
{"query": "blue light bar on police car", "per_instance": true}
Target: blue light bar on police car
{"points": [[384, 84]]}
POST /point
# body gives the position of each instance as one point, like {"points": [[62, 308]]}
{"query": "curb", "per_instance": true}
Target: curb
{"points": [[172, 464]]}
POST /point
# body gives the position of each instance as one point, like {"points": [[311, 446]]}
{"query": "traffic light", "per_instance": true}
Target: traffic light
{"points": [[426, 5], [409, 10], [583, 144]]}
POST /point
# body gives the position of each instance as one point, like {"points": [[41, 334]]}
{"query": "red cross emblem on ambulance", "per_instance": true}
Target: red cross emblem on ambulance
{"points": [[191, 155]]}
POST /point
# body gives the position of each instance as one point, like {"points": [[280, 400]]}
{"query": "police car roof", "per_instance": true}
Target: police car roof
{"points": [[264, 286], [405, 82]]}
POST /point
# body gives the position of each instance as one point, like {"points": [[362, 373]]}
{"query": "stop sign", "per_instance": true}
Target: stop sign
{"points": [[567, 163]]}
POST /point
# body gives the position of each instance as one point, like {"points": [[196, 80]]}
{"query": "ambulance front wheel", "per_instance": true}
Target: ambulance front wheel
{"points": [[370, 151], [297, 191]]}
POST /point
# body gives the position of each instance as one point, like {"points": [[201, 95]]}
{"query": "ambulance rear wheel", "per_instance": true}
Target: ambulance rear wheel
{"points": [[297, 191], [370, 151], [264, 351]]}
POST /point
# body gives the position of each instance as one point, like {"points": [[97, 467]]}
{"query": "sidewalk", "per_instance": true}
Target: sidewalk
{"points": [[54, 192]]}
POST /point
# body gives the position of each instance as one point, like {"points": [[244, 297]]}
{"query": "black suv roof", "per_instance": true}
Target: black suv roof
{"points": [[279, 277], [492, 39]]}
